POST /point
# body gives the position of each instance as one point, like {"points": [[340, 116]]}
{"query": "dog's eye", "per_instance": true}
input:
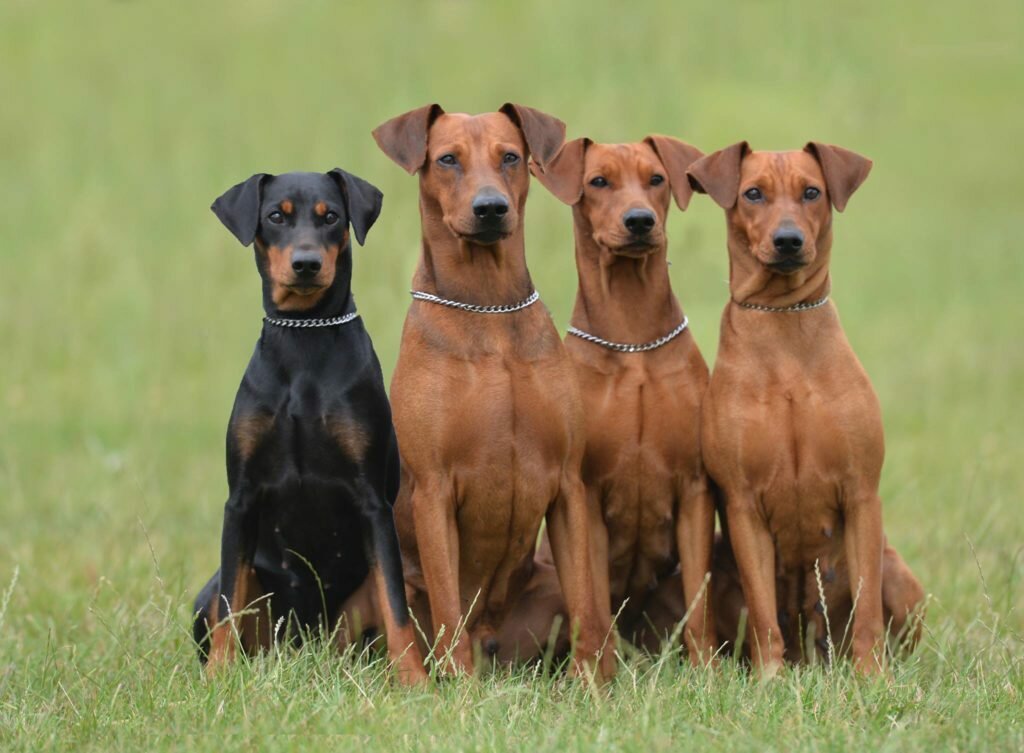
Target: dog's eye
{"points": [[510, 158], [753, 194], [448, 160], [598, 182], [276, 217], [330, 218], [811, 193], [657, 180]]}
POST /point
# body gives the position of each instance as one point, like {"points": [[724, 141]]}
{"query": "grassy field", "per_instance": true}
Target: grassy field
{"points": [[127, 314]]}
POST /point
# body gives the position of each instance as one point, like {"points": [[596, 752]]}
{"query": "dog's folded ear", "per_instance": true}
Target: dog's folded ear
{"points": [[239, 208], [363, 200], [544, 134], [718, 174], [844, 171], [563, 175], [404, 138], [676, 156]]}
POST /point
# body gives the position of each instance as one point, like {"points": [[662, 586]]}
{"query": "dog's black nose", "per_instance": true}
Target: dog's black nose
{"points": [[639, 221], [788, 241], [306, 263], [489, 205]]}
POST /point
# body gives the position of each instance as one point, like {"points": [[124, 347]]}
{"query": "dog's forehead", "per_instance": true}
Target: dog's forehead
{"points": [[302, 187], [632, 157], [782, 166], [488, 127]]}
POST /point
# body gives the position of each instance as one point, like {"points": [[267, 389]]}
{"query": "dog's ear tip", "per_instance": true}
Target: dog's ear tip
{"points": [[676, 156], [403, 138], [844, 171], [363, 202], [238, 208], [544, 133]]}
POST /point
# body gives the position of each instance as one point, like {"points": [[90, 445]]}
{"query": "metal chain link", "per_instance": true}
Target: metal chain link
{"points": [[777, 309], [303, 323], [507, 308], [627, 347]]}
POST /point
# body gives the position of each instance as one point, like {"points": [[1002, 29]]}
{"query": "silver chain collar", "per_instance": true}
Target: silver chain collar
{"points": [[506, 308], [628, 347], [781, 309], [303, 323]]}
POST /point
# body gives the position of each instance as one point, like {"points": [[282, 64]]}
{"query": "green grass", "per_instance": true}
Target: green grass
{"points": [[127, 314]]}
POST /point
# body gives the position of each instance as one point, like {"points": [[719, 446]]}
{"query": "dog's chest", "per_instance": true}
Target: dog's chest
{"points": [[512, 429], [795, 440], [768, 409], [309, 432], [639, 426], [496, 408], [642, 441]]}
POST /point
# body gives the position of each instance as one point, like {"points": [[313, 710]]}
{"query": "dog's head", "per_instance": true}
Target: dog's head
{"points": [[300, 225], [473, 168], [779, 204], [621, 191]]}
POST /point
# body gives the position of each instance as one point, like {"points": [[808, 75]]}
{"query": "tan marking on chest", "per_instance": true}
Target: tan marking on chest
{"points": [[352, 437], [249, 432]]}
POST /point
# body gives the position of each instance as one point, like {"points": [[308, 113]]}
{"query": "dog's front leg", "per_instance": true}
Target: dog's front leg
{"points": [[437, 538], [695, 535], [238, 543], [570, 547], [863, 540], [598, 531], [754, 549], [386, 570]]}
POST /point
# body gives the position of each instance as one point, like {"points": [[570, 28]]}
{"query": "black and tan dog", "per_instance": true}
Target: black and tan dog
{"points": [[312, 458]]}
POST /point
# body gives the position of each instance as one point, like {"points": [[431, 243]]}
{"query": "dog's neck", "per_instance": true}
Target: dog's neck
{"points": [[620, 298], [337, 300], [751, 283], [459, 270]]}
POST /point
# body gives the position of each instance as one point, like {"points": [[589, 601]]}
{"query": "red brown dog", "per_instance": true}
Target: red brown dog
{"points": [[488, 415], [642, 379], [791, 427]]}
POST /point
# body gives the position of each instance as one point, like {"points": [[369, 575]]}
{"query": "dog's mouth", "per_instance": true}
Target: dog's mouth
{"points": [[786, 266], [305, 288], [635, 249], [486, 237]]}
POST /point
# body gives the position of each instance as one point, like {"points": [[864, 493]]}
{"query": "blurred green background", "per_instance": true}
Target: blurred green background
{"points": [[128, 313]]}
